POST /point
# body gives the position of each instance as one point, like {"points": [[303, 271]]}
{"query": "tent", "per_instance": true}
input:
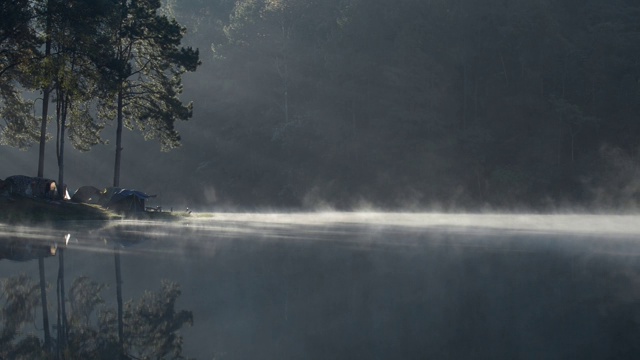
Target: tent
{"points": [[87, 195], [124, 200], [30, 186]]}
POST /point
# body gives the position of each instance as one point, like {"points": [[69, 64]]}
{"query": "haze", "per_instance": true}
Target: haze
{"points": [[393, 105]]}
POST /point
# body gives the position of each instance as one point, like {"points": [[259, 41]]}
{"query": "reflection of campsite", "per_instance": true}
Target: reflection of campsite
{"points": [[29, 241], [32, 243], [25, 249]]}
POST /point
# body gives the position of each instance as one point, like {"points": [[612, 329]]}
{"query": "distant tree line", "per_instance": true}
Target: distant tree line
{"points": [[446, 104], [97, 61], [348, 103]]}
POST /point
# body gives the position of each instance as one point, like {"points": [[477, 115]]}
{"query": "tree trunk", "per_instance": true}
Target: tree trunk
{"points": [[62, 307], [116, 170], [61, 115], [43, 131], [504, 70], [45, 310], [116, 255], [45, 97], [464, 94]]}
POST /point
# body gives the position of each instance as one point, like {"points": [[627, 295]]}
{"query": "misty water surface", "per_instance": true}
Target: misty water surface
{"points": [[371, 285]]}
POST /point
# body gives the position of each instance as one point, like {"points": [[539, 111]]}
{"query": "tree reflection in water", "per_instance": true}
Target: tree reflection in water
{"points": [[89, 330], [338, 286]]}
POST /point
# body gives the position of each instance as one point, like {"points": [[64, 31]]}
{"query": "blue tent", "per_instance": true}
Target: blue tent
{"points": [[125, 200]]}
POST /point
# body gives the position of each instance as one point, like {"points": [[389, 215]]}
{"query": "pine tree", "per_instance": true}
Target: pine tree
{"points": [[143, 80], [18, 48]]}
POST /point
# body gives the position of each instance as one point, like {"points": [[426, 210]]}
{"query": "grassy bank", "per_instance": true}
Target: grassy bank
{"points": [[25, 210]]}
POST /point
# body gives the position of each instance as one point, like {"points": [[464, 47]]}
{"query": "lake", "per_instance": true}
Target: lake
{"points": [[358, 285]]}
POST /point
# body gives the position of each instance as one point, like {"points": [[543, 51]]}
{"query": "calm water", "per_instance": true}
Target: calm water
{"points": [[364, 285]]}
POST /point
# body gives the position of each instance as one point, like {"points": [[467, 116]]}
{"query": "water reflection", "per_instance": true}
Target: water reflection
{"points": [[239, 286], [23, 249], [86, 327]]}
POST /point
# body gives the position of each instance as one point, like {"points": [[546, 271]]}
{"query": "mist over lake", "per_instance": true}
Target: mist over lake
{"points": [[376, 285]]}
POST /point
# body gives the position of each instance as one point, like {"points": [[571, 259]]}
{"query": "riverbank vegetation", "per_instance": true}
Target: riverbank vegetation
{"points": [[25, 210]]}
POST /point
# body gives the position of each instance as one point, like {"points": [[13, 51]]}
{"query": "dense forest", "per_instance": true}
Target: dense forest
{"points": [[412, 104]]}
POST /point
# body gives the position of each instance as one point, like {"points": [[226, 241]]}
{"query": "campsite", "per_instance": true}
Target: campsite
{"points": [[25, 199]]}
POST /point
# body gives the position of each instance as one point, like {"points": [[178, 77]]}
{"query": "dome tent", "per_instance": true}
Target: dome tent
{"points": [[124, 200]]}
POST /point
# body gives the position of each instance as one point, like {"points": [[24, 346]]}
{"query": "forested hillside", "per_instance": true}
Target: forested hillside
{"points": [[411, 104], [395, 103]]}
